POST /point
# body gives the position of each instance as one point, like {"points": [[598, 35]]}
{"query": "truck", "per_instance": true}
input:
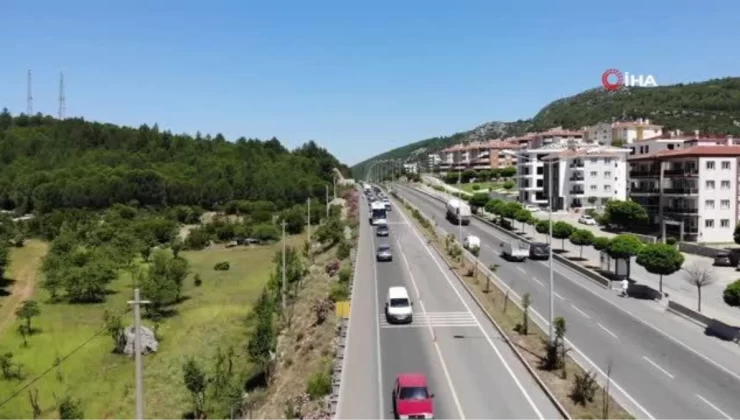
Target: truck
{"points": [[378, 214], [458, 212], [515, 250]]}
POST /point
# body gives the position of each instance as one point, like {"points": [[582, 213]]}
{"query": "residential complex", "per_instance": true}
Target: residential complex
{"points": [[624, 132], [478, 155], [693, 189]]}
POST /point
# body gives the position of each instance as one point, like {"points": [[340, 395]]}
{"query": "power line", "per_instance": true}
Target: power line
{"points": [[58, 362]]}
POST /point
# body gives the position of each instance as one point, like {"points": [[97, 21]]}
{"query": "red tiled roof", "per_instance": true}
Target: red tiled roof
{"points": [[584, 153], [695, 151]]}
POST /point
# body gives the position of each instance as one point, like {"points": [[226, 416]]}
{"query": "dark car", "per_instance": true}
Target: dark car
{"points": [[722, 259], [539, 251], [384, 253], [382, 231]]}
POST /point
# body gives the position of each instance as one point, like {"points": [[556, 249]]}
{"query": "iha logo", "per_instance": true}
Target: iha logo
{"points": [[614, 79]]}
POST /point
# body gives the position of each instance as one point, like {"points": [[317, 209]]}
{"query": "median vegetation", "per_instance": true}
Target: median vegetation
{"points": [[575, 388]]}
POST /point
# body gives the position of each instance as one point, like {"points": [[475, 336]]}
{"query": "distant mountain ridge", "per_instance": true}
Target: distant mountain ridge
{"points": [[712, 106]]}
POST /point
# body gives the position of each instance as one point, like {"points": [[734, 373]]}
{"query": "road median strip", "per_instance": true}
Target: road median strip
{"points": [[565, 386]]}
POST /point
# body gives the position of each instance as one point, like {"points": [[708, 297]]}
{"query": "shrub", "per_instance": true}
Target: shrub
{"points": [[197, 280], [671, 241], [339, 292], [584, 388], [222, 266], [508, 185], [343, 250], [319, 384], [345, 274], [475, 187]]}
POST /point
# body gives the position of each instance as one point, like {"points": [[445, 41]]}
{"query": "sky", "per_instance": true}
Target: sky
{"points": [[359, 78]]}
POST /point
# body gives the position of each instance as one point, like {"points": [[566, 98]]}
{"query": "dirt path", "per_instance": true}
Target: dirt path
{"points": [[24, 264]]}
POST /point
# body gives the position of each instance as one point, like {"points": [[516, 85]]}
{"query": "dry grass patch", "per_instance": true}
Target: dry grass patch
{"points": [[532, 346]]}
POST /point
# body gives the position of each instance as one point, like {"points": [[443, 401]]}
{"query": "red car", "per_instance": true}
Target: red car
{"points": [[411, 397]]}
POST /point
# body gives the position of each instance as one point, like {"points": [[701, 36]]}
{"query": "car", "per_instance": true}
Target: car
{"points": [[411, 397], [586, 220], [471, 241], [539, 251], [532, 208], [722, 259], [384, 253], [382, 230], [398, 306]]}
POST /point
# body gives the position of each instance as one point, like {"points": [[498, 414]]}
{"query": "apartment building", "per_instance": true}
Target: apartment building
{"points": [[411, 167], [434, 160], [585, 177], [672, 141], [694, 190], [530, 165], [478, 155], [627, 132]]}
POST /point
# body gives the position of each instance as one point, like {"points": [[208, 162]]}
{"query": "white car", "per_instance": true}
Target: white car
{"points": [[398, 305], [532, 208], [471, 241], [586, 220]]}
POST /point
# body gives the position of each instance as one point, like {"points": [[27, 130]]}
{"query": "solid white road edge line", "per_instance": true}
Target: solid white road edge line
{"points": [[377, 332], [657, 366], [713, 406], [448, 378], [480, 327], [577, 350]]}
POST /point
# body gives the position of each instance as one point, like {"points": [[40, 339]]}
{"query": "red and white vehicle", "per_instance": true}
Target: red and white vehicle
{"points": [[411, 397]]}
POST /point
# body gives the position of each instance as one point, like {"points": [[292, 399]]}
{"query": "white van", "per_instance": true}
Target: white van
{"points": [[398, 305]]}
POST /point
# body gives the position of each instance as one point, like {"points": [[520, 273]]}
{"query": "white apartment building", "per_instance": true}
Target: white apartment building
{"points": [[530, 165], [433, 161], [586, 177], [411, 167], [696, 187], [673, 140], [627, 131]]}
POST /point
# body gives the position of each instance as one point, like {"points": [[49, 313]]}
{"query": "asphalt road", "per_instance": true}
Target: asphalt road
{"points": [[471, 371], [652, 374]]}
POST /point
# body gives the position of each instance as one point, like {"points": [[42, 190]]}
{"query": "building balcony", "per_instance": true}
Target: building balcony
{"points": [[577, 192], [681, 210], [644, 174], [646, 190], [576, 165], [577, 179], [682, 190], [681, 172]]}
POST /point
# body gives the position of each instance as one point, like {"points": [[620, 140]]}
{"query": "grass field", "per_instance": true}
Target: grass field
{"points": [[212, 316], [481, 186]]}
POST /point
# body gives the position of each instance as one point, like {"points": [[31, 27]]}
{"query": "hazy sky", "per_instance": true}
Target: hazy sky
{"points": [[358, 77]]}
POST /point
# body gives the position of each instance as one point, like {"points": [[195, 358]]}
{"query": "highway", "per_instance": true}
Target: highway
{"points": [[652, 373], [471, 371]]}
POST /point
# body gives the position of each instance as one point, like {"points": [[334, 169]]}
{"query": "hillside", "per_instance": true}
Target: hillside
{"points": [[50, 165], [712, 106]]}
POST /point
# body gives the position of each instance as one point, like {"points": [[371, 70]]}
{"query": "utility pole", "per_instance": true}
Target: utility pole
{"points": [[137, 302], [459, 208], [29, 94], [308, 201], [62, 99], [327, 200], [552, 282], [283, 270]]}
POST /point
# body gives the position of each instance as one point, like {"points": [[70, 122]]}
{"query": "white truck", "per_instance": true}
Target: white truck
{"points": [[515, 250], [458, 212], [378, 214]]}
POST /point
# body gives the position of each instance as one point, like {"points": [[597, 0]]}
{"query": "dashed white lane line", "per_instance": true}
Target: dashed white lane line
{"points": [[580, 311], [607, 331], [655, 365], [558, 296], [538, 282], [521, 269], [713, 406]]}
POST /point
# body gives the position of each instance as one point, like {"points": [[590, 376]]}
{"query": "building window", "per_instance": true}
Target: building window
{"points": [[540, 183], [594, 173], [710, 185], [670, 147], [593, 188], [725, 185], [724, 204], [724, 223], [710, 164], [607, 174], [709, 223], [709, 204], [607, 188], [725, 164], [607, 160], [540, 170]]}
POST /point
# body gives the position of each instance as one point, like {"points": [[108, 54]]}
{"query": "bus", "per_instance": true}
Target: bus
{"points": [[378, 214]]}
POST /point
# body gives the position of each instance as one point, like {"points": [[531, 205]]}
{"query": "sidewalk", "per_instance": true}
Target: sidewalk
{"points": [[675, 286]]}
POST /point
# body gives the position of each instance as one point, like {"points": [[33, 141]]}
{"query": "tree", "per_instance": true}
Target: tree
{"points": [[699, 275], [735, 236], [295, 219], [494, 206], [4, 254], [475, 250], [114, 328], [731, 294], [162, 281], [508, 185], [581, 238], [197, 383], [522, 216], [70, 408], [262, 338], [624, 246], [600, 243], [27, 311], [508, 171], [562, 230], [543, 227], [479, 200], [624, 213], [660, 259]]}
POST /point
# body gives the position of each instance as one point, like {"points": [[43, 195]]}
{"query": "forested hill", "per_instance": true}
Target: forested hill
{"points": [[712, 107], [49, 164]]}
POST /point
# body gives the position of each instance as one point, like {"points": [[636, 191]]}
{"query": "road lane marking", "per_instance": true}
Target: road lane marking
{"points": [[480, 327], [668, 374], [377, 332], [580, 311], [521, 269], [490, 230], [558, 296], [607, 331], [434, 339], [546, 325], [538, 282], [714, 407]]}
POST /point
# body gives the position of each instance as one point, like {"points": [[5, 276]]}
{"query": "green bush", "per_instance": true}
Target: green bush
{"points": [[222, 266], [339, 292], [345, 273], [343, 250], [319, 384], [509, 185], [671, 241], [475, 187]]}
